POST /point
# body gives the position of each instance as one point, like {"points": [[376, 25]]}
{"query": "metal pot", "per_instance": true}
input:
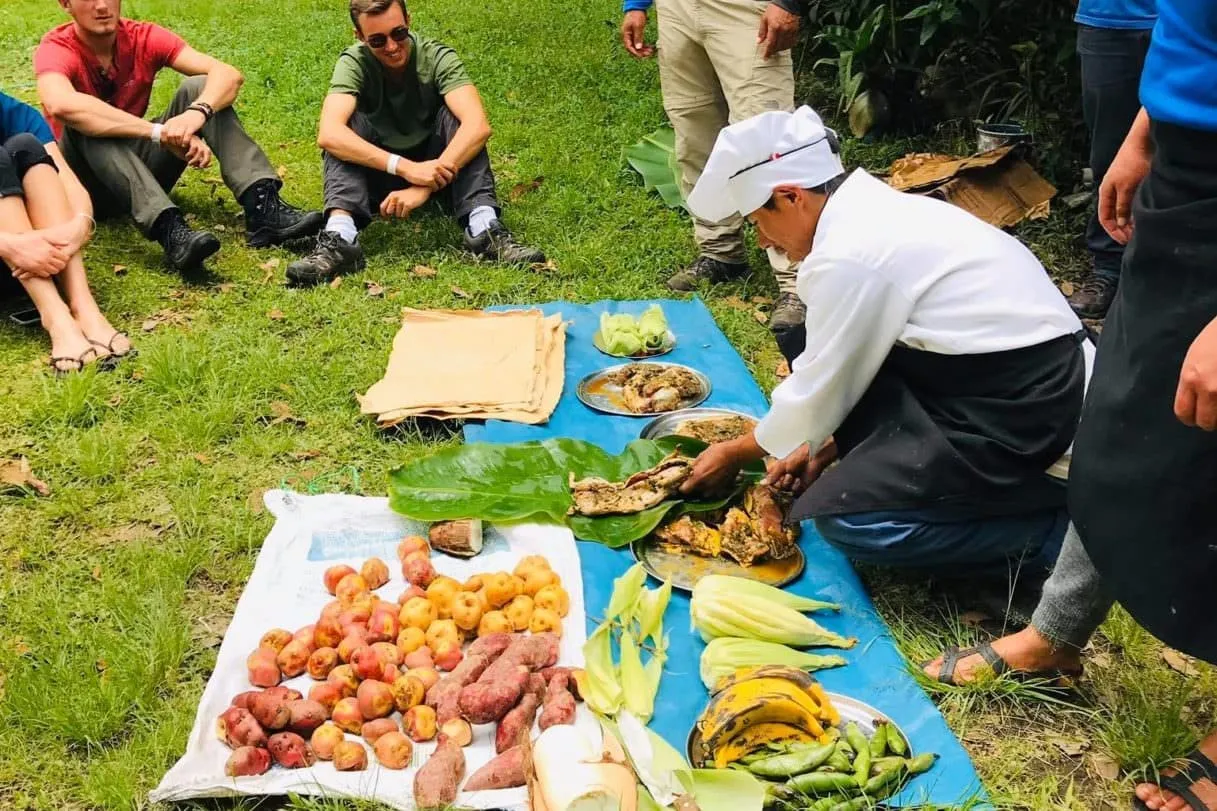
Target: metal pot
{"points": [[995, 136]]}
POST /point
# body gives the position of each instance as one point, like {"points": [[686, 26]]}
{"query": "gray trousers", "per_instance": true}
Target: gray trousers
{"points": [[360, 190], [127, 176], [1074, 602]]}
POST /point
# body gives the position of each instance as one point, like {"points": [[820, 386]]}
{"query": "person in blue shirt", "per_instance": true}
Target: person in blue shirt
{"points": [[46, 218], [1113, 38], [721, 62], [1144, 472]]}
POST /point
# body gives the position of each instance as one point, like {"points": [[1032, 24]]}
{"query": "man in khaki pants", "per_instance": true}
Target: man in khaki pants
{"points": [[720, 62]]}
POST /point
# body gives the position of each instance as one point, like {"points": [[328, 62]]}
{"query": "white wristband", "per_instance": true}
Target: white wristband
{"points": [[391, 168], [155, 137]]}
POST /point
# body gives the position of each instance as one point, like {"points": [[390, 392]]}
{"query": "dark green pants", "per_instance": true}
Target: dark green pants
{"points": [[127, 176]]}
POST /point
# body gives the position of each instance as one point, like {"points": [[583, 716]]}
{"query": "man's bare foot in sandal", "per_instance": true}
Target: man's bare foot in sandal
{"points": [[1026, 653], [1192, 787]]}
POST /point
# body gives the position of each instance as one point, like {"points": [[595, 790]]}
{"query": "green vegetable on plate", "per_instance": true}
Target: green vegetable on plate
{"points": [[623, 334]]}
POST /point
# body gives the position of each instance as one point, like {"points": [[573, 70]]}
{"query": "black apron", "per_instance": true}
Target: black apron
{"points": [[1143, 489], [957, 437]]}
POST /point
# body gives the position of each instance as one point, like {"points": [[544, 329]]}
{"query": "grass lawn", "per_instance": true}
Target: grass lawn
{"points": [[117, 587]]}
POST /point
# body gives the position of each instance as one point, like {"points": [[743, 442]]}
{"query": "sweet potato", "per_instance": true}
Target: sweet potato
{"points": [[531, 652], [237, 727], [467, 672], [491, 645], [536, 686], [437, 782], [559, 703], [247, 761], [517, 724], [485, 700], [548, 674], [505, 771], [290, 751]]}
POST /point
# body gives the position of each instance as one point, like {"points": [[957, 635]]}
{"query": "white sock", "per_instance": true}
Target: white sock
{"points": [[344, 226], [480, 219]]}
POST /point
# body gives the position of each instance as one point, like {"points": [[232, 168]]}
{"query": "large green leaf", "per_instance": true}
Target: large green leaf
{"points": [[531, 480], [654, 157]]}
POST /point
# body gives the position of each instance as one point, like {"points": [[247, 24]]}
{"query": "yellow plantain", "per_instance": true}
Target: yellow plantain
{"points": [[728, 715], [793, 674], [753, 738]]}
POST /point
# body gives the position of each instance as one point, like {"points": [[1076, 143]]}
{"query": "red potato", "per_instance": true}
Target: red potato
{"points": [[275, 638], [331, 610], [420, 723], [409, 640], [263, 668], [347, 717], [383, 626], [412, 544], [246, 700], [350, 757], [418, 571], [355, 615], [516, 726], [333, 576], [372, 730], [306, 715], [408, 692], [324, 739], [350, 643], [505, 771], [388, 653], [559, 703], [438, 780], [486, 701], [351, 588], [290, 751], [393, 750], [447, 655], [284, 692], [237, 727], [419, 658], [375, 699], [390, 674], [327, 694], [375, 572], [366, 662], [327, 633], [306, 636], [345, 677], [321, 662], [247, 761], [272, 711], [410, 593]]}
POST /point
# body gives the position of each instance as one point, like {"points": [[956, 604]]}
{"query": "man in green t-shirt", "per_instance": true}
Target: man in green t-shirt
{"points": [[402, 123]]}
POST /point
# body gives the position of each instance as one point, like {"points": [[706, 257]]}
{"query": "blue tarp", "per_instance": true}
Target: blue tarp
{"points": [[876, 673]]}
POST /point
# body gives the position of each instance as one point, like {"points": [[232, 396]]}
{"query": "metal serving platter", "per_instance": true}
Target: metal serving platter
{"points": [[596, 392], [685, 569], [668, 424], [851, 709], [669, 343]]}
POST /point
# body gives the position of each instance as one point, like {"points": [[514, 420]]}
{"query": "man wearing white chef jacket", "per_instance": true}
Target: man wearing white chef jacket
{"points": [[943, 371]]}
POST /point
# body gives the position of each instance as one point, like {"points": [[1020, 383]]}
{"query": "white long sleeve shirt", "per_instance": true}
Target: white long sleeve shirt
{"points": [[889, 268]]}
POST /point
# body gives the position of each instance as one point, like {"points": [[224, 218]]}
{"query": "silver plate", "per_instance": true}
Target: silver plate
{"points": [[669, 343], [668, 423], [684, 570], [597, 393], [850, 709]]}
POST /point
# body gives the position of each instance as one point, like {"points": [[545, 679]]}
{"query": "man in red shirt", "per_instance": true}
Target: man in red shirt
{"points": [[95, 78]]}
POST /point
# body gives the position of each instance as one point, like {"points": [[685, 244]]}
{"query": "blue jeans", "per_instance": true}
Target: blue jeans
{"points": [[1111, 62], [901, 538]]}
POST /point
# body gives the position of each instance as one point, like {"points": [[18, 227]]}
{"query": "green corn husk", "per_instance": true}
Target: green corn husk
{"points": [[742, 585], [722, 609], [725, 655]]}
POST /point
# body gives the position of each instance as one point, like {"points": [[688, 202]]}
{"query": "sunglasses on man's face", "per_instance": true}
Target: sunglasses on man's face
{"points": [[398, 34]]}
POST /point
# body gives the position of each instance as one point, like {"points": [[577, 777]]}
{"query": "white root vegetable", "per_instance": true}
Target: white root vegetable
{"points": [[572, 774]]}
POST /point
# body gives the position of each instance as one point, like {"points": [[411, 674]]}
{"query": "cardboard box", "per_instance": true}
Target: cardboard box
{"points": [[998, 186]]}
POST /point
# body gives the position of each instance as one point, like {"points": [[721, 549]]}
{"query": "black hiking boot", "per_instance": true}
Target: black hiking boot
{"points": [[331, 257], [498, 245], [185, 250], [1093, 299], [788, 313], [270, 221], [706, 269]]}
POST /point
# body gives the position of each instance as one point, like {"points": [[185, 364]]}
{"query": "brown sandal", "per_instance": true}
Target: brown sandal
{"points": [[79, 361]]}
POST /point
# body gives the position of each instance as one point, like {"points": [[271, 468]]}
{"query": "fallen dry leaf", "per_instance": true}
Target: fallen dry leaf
{"points": [[1178, 662], [374, 289], [760, 316], [202, 458], [1066, 288], [762, 301], [97, 573], [255, 503], [115, 401], [1105, 766], [176, 294], [334, 285], [424, 272], [973, 619], [281, 412], [783, 369], [17, 473], [221, 227], [547, 266], [521, 189], [1101, 660], [458, 292], [281, 171], [120, 270], [301, 456], [226, 287], [736, 303], [1071, 747], [162, 317], [19, 647], [270, 264], [276, 314]]}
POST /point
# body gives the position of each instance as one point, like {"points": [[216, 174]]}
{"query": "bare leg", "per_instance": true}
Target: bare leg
{"points": [[48, 206], [67, 340]]}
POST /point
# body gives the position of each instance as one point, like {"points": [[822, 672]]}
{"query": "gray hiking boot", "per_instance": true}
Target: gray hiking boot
{"points": [[789, 312], [498, 245], [706, 269]]}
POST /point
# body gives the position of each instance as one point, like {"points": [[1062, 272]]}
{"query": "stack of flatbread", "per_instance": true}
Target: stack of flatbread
{"points": [[469, 364]]}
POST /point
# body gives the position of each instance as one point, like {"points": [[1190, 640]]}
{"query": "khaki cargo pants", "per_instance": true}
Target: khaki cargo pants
{"points": [[712, 74]]}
